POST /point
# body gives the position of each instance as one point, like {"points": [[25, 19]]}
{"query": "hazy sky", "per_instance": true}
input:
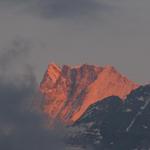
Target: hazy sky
{"points": [[34, 33], [99, 32]]}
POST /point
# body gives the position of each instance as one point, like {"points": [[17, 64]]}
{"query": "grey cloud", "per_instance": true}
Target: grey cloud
{"points": [[60, 8], [14, 60], [22, 125], [69, 8], [120, 37], [19, 48]]}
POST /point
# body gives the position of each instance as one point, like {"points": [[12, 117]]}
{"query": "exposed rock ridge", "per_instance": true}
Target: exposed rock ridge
{"points": [[69, 91]]}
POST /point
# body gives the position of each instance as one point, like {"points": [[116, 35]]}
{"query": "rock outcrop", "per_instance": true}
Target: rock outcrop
{"points": [[69, 91]]}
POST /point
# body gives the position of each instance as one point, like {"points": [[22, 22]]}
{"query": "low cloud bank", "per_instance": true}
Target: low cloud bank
{"points": [[22, 125]]}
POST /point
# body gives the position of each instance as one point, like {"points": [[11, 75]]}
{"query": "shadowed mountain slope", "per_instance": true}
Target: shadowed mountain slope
{"points": [[111, 124]]}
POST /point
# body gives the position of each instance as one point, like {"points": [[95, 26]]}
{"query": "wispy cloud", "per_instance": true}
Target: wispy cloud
{"points": [[22, 126], [18, 48]]}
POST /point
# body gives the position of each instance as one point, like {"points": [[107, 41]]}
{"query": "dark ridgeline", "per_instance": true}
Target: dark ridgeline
{"points": [[111, 124]]}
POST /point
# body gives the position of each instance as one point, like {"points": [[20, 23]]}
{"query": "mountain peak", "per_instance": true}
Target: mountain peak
{"points": [[109, 67], [70, 90], [53, 71]]}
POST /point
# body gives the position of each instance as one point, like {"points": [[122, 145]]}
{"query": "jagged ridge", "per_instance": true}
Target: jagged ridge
{"points": [[69, 91]]}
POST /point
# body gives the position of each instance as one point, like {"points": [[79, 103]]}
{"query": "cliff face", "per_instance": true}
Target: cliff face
{"points": [[69, 91]]}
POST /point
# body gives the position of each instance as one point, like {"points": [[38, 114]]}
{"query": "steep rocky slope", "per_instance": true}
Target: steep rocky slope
{"points": [[69, 91], [111, 124]]}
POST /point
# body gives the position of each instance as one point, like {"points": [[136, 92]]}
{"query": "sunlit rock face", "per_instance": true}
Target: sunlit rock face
{"points": [[69, 91]]}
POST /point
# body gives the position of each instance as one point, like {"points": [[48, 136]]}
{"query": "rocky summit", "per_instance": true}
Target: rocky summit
{"points": [[70, 90]]}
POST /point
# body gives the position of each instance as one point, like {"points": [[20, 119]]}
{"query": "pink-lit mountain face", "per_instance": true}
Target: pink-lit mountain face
{"points": [[69, 91]]}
